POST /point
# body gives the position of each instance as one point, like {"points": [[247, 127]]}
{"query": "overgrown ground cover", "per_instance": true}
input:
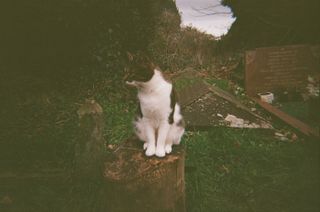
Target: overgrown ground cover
{"points": [[249, 170], [226, 169]]}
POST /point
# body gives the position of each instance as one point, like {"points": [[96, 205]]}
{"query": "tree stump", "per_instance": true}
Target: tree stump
{"points": [[139, 183]]}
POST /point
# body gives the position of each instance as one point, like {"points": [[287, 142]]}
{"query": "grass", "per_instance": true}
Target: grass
{"points": [[296, 109], [119, 121], [221, 83], [226, 170], [185, 82], [244, 170]]}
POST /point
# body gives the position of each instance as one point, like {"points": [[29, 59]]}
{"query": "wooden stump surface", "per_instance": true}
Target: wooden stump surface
{"points": [[136, 182]]}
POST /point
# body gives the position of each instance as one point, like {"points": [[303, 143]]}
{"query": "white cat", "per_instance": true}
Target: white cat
{"points": [[160, 123]]}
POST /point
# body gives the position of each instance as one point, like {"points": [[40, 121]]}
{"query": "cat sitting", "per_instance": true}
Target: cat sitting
{"points": [[159, 123]]}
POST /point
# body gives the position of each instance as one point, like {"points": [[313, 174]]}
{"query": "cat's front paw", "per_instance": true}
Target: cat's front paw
{"points": [[160, 152], [150, 150], [168, 148]]}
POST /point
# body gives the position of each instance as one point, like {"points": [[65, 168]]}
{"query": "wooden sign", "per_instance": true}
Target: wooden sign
{"points": [[276, 69]]}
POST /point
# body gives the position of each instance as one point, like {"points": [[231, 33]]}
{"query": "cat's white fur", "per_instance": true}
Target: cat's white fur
{"points": [[154, 127]]}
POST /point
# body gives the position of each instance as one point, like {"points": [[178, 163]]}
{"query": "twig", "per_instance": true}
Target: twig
{"points": [[207, 11]]}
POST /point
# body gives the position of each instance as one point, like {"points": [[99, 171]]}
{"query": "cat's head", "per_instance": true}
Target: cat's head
{"points": [[139, 70]]}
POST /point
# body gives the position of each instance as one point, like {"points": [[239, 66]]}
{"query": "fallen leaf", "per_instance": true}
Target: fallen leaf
{"points": [[224, 168]]}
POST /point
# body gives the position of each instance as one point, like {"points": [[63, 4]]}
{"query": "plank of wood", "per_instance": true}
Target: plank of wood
{"points": [[297, 124]]}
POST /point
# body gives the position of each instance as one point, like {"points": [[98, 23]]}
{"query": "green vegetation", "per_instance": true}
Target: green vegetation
{"points": [[226, 170], [246, 170], [185, 82], [296, 109], [221, 83], [79, 53]]}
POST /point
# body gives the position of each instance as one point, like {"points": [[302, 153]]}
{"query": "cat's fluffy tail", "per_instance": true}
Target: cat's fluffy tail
{"points": [[139, 129], [177, 128]]}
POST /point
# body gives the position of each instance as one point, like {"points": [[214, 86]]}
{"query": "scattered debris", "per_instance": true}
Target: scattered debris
{"points": [[219, 115], [267, 97], [238, 91], [234, 121], [240, 123], [313, 87], [286, 136], [281, 136], [111, 146]]}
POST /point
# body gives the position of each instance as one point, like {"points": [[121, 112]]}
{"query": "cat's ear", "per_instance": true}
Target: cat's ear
{"points": [[146, 62], [130, 57]]}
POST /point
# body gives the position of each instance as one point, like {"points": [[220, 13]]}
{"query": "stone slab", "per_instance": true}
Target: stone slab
{"points": [[279, 69], [205, 106], [189, 87], [211, 110]]}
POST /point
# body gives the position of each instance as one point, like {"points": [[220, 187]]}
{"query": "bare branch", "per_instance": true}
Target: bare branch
{"points": [[208, 7], [212, 13], [208, 11]]}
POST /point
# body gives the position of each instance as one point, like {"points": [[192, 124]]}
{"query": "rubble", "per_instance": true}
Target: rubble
{"points": [[281, 136], [267, 97], [241, 123]]}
